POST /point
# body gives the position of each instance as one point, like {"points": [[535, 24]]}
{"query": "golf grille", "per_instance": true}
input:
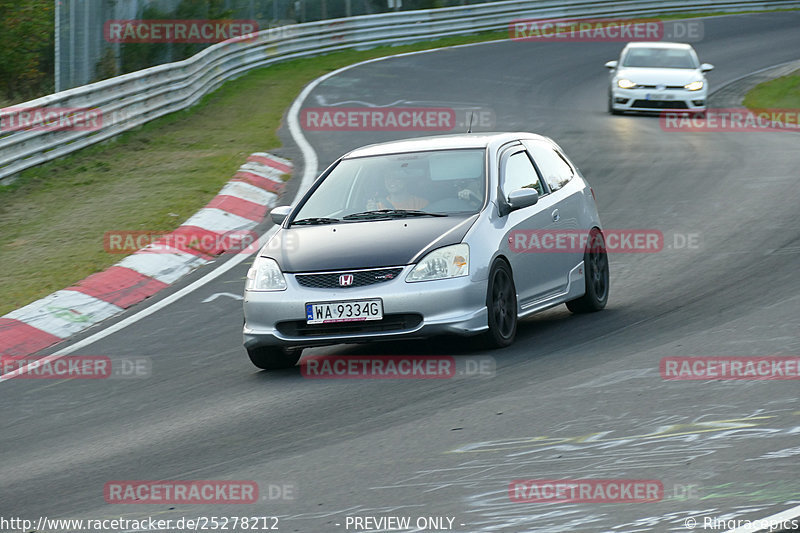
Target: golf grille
{"points": [[659, 104]]}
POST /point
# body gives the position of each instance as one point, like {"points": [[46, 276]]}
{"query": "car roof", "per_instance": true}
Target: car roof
{"points": [[659, 44], [442, 142]]}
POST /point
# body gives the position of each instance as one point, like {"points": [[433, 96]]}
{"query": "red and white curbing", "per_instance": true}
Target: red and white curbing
{"points": [[240, 206]]}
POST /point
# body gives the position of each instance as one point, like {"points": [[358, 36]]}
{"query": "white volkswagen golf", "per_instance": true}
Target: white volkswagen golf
{"points": [[653, 76]]}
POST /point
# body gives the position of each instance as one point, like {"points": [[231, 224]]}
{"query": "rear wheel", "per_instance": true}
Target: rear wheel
{"points": [[501, 302], [595, 263], [274, 357]]}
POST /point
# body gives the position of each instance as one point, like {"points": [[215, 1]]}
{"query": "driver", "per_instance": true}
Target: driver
{"points": [[397, 195]]}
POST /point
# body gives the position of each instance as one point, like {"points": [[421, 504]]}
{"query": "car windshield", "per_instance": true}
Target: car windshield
{"points": [[418, 184], [659, 58]]}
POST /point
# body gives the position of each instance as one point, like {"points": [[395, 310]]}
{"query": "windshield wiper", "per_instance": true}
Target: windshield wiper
{"points": [[391, 213], [314, 220]]}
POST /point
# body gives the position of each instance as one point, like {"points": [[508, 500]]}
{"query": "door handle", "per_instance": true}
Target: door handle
{"points": [[556, 215]]}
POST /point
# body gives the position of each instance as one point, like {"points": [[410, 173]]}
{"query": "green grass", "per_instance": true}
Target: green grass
{"points": [[53, 216], [780, 93]]}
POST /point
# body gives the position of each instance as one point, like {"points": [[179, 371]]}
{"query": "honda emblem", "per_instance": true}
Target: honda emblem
{"points": [[345, 280]]}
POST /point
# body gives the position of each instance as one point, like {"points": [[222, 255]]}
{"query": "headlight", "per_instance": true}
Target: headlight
{"points": [[265, 275], [448, 262], [625, 84], [694, 86]]}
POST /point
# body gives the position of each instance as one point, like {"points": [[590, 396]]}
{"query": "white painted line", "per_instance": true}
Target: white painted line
{"points": [[218, 221], [311, 162], [771, 523], [220, 294], [144, 313], [293, 119]]}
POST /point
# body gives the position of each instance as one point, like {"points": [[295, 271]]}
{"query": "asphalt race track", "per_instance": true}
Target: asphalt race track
{"points": [[575, 397]]}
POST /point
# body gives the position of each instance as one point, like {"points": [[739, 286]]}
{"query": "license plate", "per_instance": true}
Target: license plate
{"points": [[658, 96], [345, 311]]}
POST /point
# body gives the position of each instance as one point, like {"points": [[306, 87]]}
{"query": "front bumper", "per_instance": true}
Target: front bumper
{"points": [[655, 101], [411, 310]]}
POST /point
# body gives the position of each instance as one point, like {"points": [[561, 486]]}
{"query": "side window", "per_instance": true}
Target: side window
{"points": [[520, 174], [555, 170]]}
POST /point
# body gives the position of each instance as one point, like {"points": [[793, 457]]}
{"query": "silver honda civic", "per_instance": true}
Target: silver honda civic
{"points": [[456, 234]]}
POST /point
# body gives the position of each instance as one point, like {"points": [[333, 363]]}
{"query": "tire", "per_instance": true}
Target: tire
{"points": [[501, 303], [274, 357], [595, 262], [611, 110]]}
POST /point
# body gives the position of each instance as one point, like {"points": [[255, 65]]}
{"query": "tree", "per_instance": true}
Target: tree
{"points": [[27, 36]]}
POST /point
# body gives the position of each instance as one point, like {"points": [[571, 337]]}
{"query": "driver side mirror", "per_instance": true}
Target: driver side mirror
{"points": [[279, 214], [706, 67], [522, 198]]}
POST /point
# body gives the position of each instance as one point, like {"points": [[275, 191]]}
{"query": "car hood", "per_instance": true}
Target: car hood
{"points": [[367, 244], [663, 76]]}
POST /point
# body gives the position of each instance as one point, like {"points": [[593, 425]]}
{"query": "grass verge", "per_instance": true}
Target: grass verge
{"points": [[53, 216], [780, 93]]}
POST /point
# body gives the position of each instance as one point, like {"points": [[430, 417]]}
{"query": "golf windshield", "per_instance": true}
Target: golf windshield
{"points": [[659, 58], [433, 182]]}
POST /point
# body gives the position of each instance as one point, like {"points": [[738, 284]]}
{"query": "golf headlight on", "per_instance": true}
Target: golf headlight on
{"points": [[448, 262], [265, 275], [625, 84], [694, 86]]}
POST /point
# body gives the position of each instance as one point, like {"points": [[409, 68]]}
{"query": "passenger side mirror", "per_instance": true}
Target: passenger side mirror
{"points": [[279, 214], [612, 64], [522, 198], [706, 67]]}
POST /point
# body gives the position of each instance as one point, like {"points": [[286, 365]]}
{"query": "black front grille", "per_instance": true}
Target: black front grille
{"points": [[668, 87], [660, 104], [361, 278], [399, 322]]}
